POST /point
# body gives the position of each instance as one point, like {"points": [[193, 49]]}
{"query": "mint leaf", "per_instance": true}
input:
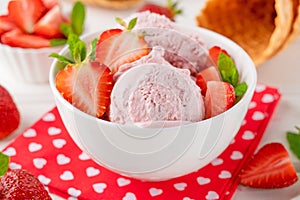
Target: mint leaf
{"points": [[93, 49], [66, 29], [61, 58], [58, 42], [4, 160], [78, 17], [240, 89], [77, 48], [294, 141], [121, 22], [228, 69], [132, 24]]}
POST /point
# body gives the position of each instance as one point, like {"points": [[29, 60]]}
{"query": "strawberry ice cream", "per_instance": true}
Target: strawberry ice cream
{"points": [[156, 92]]}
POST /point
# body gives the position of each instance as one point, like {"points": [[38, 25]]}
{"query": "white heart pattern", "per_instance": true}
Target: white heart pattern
{"points": [[33, 147], [13, 165], [74, 192], [129, 196], [30, 133], [99, 187], [217, 161], [236, 155], [50, 117], [203, 180], [155, 192], [84, 156], [212, 195], [66, 176], [252, 105], [54, 131], [224, 174], [91, 171], [257, 115], [260, 88], [187, 198], [123, 182], [43, 179], [180, 186], [267, 98], [59, 143], [39, 163], [10, 151], [61, 159], [248, 135]]}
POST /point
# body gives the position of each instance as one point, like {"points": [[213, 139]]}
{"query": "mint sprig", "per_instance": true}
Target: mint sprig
{"points": [[293, 139], [75, 27], [230, 74], [4, 160]]}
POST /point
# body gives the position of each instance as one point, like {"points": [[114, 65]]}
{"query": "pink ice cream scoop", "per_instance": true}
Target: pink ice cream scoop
{"points": [[154, 93]]}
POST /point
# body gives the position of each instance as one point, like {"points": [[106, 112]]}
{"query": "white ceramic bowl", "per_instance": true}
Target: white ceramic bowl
{"points": [[156, 154], [27, 65]]}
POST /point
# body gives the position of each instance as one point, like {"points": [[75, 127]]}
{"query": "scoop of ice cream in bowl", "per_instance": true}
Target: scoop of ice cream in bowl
{"points": [[152, 99]]}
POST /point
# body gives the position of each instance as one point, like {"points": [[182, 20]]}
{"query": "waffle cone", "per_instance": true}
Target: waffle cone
{"points": [[260, 27], [295, 31]]}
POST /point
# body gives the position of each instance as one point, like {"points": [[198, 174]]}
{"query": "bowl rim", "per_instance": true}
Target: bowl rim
{"points": [[204, 31]]}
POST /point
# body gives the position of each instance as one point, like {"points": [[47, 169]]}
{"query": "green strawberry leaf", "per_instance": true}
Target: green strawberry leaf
{"points": [[78, 17], [240, 89], [93, 49], [228, 69], [294, 141], [4, 160]]}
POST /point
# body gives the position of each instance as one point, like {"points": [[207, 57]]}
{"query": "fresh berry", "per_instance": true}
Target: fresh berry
{"points": [[214, 53], [116, 47], [20, 184], [9, 114], [5, 24], [219, 98], [49, 25], [170, 10], [50, 3], [87, 87], [270, 167], [16, 38], [208, 74], [25, 13]]}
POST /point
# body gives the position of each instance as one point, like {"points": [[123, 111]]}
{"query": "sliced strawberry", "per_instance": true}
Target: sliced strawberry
{"points": [[219, 98], [87, 87], [49, 25], [214, 53], [16, 38], [115, 48], [50, 3], [169, 10], [25, 13], [5, 24], [208, 74], [271, 167]]}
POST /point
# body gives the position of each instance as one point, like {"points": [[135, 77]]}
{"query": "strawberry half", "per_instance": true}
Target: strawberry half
{"points": [[9, 114], [49, 25], [219, 98], [25, 13], [271, 167], [87, 86], [214, 53], [170, 10], [5, 24], [50, 3], [16, 38], [116, 47], [20, 184], [208, 74]]}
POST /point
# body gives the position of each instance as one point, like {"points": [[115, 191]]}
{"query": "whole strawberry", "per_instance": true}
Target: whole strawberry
{"points": [[20, 184], [170, 10], [9, 113]]}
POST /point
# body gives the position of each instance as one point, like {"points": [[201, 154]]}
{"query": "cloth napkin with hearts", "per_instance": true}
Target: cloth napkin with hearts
{"points": [[47, 150]]}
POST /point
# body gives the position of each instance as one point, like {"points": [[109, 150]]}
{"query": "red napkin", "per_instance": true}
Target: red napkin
{"points": [[47, 151]]}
